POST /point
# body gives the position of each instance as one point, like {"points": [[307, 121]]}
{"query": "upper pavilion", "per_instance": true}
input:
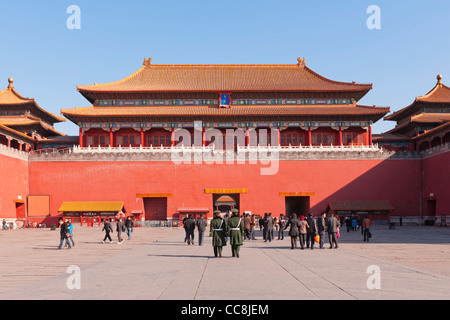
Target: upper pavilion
{"points": [[427, 113], [25, 116], [307, 107]]}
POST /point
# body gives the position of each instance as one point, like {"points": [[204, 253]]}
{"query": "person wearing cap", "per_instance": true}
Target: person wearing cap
{"points": [[235, 231], [303, 229], [217, 232]]}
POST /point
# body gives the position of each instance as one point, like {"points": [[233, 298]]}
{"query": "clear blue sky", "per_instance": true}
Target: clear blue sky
{"points": [[47, 60]]}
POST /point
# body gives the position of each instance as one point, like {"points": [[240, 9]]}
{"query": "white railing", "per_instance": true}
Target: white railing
{"points": [[161, 148]]}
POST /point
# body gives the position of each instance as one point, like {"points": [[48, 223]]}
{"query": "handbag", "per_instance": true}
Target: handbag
{"points": [[338, 234], [317, 238]]}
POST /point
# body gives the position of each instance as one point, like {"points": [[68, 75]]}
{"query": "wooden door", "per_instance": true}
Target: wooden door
{"points": [[155, 208]]}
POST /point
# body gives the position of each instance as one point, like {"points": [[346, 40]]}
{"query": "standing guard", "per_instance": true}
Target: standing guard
{"points": [[217, 231], [235, 232]]}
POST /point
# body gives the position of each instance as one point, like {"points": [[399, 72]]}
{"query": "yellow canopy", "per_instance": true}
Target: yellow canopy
{"points": [[91, 207]]}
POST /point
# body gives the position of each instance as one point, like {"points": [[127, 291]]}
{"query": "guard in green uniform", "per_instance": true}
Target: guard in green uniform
{"points": [[235, 232], [217, 231]]}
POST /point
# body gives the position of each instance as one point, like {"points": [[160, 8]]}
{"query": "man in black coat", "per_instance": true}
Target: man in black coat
{"points": [[189, 227], [312, 231], [201, 227], [321, 228], [108, 229], [63, 234], [269, 227]]}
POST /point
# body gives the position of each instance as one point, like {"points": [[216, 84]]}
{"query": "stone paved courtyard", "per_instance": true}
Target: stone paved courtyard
{"points": [[414, 263]]}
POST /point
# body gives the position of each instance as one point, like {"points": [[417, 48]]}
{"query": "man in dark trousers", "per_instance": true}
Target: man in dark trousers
{"points": [[269, 227], [201, 227], [312, 231], [217, 232], [282, 223], [235, 230], [321, 228], [108, 229], [332, 226], [119, 228], [189, 227]]}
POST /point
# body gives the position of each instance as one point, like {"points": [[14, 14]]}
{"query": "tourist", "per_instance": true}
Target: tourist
{"points": [[282, 226], [268, 226], [217, 232], [119, 228], [201, 227], [129, 224], [247, 226], [252, 227], [235, 230], [189, 227], [333, 225], [321, 228], [311, 232], [348, 223], [366, 224], [63, 234], [70, 232], [294, 226], [108, 229], [354, 223], [261, 223], [4, 225], [302, 231]]}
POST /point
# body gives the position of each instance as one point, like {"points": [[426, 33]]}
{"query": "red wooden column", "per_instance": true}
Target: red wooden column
{"points": [[370, 135], [340, 136], [172, 137], [203, 136], [247, 137], [81, 138], [111, 138], [279, 136], [309, 136], [142, 137]]}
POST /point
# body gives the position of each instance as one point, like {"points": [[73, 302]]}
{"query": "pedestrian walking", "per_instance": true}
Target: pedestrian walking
{"points": [[70, 232], [247, 226], [108, 229], [302, 231], [269, 227], [252, 227], [129, 224], [366, 224], [282, 226], [120, 227], [261, 223], [311, 232], [235, 232], [189, 227], [63, 234], [294, 229], [217, 232], [201, 227], [321, 228], [354, 223], [333, 225]]}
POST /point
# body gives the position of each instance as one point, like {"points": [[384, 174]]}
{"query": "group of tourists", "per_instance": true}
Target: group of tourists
{"points": [[66, 231], [307, 231]]}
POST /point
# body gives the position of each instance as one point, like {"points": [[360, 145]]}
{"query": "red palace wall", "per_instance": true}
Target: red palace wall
{"points": [[436, 184], [330, 180], [13, 185]]}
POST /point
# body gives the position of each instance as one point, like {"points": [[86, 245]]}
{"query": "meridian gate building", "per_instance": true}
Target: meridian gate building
{"points": [[175, 139]]}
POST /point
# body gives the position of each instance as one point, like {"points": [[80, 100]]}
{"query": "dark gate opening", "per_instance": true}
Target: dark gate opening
{"points": [[297, 205]]}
